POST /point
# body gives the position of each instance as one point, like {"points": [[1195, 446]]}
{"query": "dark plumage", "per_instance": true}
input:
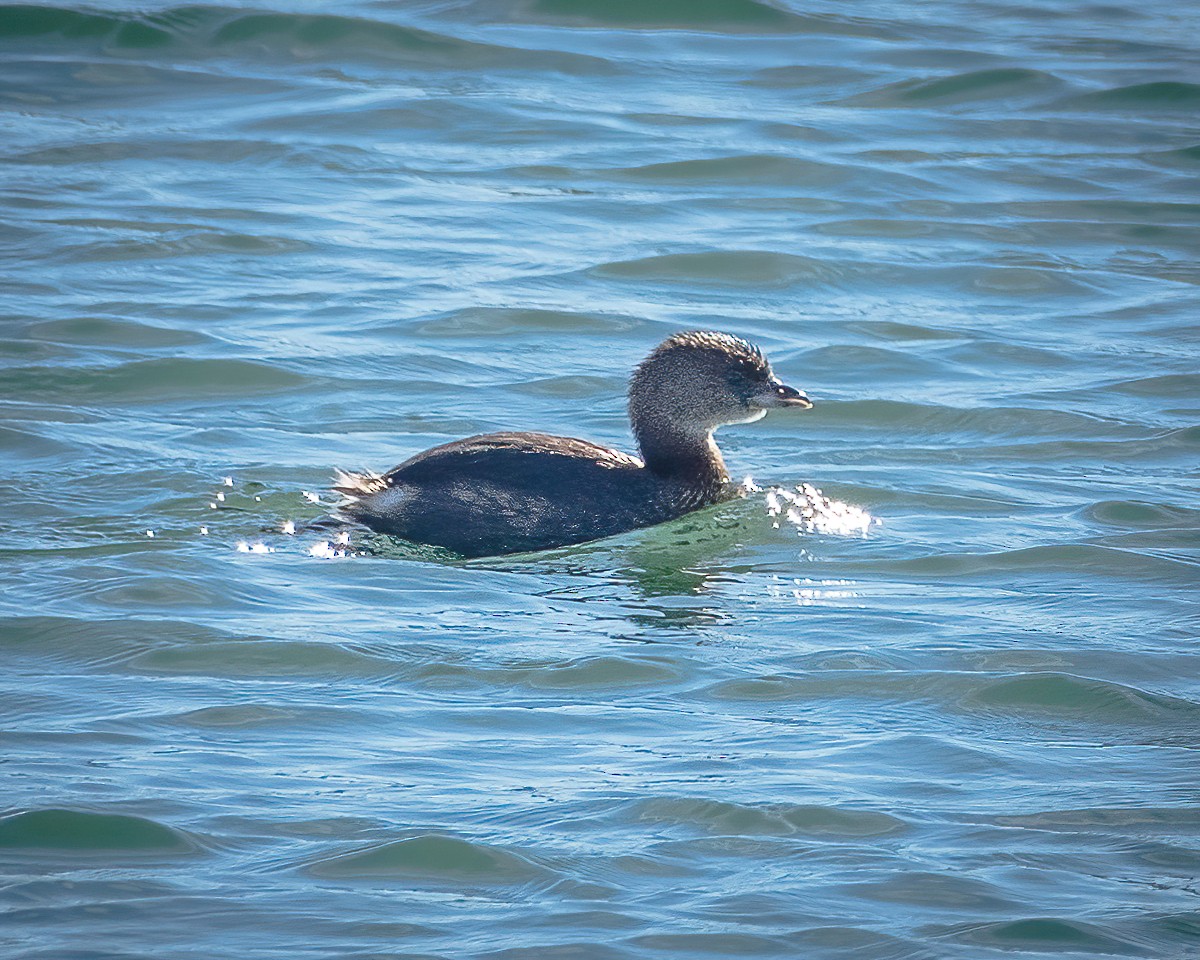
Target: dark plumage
{"points": [[513, 492]]}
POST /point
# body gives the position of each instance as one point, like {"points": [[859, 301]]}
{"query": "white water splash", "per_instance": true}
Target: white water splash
{"points": [[340, 547], [808, 509], [326, 551]]}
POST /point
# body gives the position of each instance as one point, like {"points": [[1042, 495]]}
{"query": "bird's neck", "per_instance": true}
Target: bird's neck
{"points": [[689, 457]]}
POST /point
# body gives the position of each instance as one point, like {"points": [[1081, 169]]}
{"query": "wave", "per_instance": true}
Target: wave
{"points": [[260, 657], [752, 173], [1041, 935], [718, 16], [81, 832], [223, 150], [1066, 693], [784, 819], [1042, 693], [487, 322], [928, 419], [938, 890], [122, 333], [608, 673], [1072, 558], [727, 268], [1163, 96], [769, 169], [1155, 821], [976, 86], [201, 31], [1141, 515], [435, 859], [153, 381]]}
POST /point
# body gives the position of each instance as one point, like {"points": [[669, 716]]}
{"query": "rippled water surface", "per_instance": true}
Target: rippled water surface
{"points": [[256, 243]]}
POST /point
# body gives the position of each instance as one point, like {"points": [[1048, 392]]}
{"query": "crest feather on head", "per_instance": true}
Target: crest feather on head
{"points": [[726, 343]]}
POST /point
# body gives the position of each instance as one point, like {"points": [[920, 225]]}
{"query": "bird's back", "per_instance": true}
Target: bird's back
{"points": [[512, 492]]}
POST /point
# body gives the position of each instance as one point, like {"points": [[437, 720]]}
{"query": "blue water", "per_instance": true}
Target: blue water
{"points": [[257, 243]]}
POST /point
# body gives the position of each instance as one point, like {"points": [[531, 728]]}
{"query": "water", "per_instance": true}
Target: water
{"points": [[258, 243]]}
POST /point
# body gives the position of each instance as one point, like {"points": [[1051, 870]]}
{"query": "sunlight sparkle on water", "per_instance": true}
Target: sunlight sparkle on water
{"points": [[808, 593], [340, 547], [808, 509]]}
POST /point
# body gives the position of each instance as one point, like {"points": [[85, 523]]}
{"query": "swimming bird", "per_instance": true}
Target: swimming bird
{"points": [[501, 493]]}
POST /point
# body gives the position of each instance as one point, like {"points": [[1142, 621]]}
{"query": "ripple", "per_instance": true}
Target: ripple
{"points": [[578, 387], [515, 322], [1044, 934], [1140, 515], [434, 859], [1065, 693], [601, 672], [996, 421], [93, 642], [261, 658], [976, 86], [1028, 562], [812, 820], [30, 446], [830, 940], [211, 150], [1155, 821], [339, 38], [36, 20], [291, 37], [934, 890], [1171, 385], [726, 268], [715, 15], [82, 832], [239, 715], [154, 381], [202, 243], [1162, 96], [756, 169], [714, 944], [114, 332]]}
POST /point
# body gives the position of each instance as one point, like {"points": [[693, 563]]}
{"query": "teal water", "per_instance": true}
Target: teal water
{"points": [[256, 243]]}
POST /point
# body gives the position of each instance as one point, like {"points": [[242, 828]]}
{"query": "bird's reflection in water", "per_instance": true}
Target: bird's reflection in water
{"points": [[663, 576]]}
